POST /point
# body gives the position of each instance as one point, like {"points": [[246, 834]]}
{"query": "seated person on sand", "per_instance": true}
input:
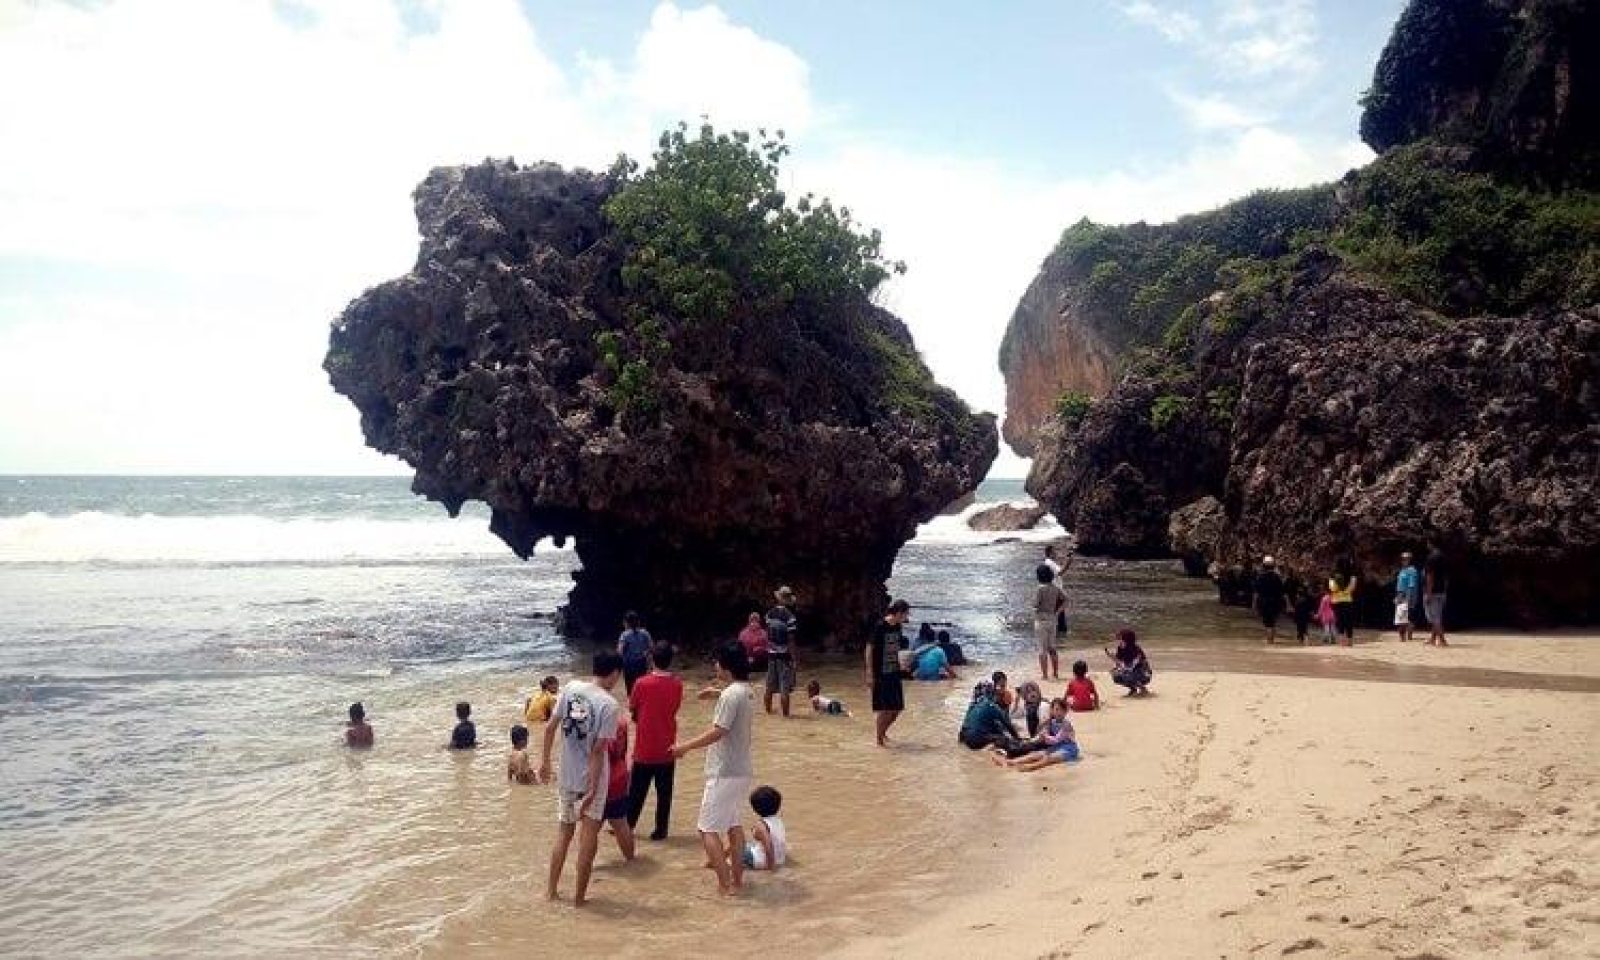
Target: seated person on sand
{"points": [[768, 848], [1081, 694], [986, 723], [1130, 667], [932, 664], [1057, 743], [1028, 705], [824, 705], [358, 732]]}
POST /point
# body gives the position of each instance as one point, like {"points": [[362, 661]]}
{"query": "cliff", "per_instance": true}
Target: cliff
{"points": [[1403, 358], [700, 448]]}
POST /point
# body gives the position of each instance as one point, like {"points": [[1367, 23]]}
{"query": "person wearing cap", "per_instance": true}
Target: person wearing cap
{"points": [[781, 665], [1269, 597], [883, 669], [1407, 595]]}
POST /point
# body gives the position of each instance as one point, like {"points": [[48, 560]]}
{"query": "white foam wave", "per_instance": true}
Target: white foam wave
{"points": [[954, 530], [83, 537]]}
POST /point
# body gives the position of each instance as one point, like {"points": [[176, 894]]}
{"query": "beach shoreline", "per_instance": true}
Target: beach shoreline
{"points": [[1234, 815]]}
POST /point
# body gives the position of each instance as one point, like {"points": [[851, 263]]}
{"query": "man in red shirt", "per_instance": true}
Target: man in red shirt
{"points": [[655, 700]]}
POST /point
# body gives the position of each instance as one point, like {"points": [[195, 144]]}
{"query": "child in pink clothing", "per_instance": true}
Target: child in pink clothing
{"points": [[1325, 616]]}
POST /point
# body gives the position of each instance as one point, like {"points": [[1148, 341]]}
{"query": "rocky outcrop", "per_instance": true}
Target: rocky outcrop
{"points": [[792, 449], [1007, 517], [1194, 531], [1515, 80], [1405, 358]]}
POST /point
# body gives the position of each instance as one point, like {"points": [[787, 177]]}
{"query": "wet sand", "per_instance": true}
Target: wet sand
{"points": [[1237, 815]]}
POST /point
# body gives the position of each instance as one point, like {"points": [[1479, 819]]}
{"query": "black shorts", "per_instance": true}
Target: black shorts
{"points": [[1270, 612], [888, 694]]}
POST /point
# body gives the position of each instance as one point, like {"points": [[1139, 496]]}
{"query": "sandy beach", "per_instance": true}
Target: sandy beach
{"points": [[1237, 816]]}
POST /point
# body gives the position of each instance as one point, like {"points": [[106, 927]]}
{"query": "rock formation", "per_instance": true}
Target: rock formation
{"points": [[791, 448], [1407, 357], [1006, 517]]}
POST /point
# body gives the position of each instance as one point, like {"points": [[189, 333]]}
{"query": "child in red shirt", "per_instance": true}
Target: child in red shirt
{"points": [[1081, 693], [616, 812]]}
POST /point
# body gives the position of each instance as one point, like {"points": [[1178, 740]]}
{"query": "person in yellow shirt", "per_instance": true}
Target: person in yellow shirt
{"points": [[537, 710]]}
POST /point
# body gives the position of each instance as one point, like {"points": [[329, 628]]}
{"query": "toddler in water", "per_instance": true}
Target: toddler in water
{"points": [[518, 767], [1027, 705], [358, 732], [1326, 617], [822, 704], [768, 848], [465, 734], [1081, 694], [1058, 740], [537, 710]]}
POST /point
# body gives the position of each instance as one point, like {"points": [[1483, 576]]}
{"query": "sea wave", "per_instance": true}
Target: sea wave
{"points": [[953, 529], [118, 538]]}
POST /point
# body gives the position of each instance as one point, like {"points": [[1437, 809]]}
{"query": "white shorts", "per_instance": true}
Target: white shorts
{"points": [[568, 801], [1044, 633], [1402, 614], [723, 803]]}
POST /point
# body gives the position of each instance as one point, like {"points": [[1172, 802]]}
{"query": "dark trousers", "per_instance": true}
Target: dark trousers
{"points": [[639, 787], [1344, 614]]}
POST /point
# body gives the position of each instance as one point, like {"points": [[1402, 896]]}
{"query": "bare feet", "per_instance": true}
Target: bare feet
{"points": [[997, 759]]}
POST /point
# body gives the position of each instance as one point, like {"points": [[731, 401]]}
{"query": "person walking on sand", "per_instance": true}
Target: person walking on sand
{"points": [[1342, 593], [729, 769], [633, 646], [585, 716], [1049, 606], [1269, 597], [781, 663], [883, 669], [655, 701], [754, 640], [1407, 596], [1435, 584], [1057, 569]]}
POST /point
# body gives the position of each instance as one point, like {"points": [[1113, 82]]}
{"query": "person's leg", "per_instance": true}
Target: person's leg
{"points": [[785, 686], [736, 857], [624, 834], [893, 715], [1055, 664], [664, 775], [558, 857], [588, 845], [638, 790], [881, 721], [717, 858], [1044, 665]]}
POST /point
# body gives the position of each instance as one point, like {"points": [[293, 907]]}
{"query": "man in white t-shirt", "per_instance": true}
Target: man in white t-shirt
{"points": [[729, 768], [585, 716]]}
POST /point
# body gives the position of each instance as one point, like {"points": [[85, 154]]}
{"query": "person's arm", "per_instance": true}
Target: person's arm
{"points": [[711, 692], [1061, 600], [712, 735], [764, 837], [543, 776], [1094, 695], [597, 753], [866, 661]]}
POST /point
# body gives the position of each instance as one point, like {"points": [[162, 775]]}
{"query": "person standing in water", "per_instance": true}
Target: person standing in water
{"points": [[586, 718], [1269, 597], [1049, 606], [633, 646], [781, 663], [1407, 595], [729, 769], [883, 669], [1342, 588]]}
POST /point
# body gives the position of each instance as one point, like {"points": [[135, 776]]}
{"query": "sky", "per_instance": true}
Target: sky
{"points": [[191, 190]]}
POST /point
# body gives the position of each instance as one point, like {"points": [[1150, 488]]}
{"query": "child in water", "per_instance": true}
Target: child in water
{"points": [[824, 705], [358, 732], [1058, 739], [537, 710], [465, 734], [1002, 693], [768, 848], [1081, 693], [519, 768]]}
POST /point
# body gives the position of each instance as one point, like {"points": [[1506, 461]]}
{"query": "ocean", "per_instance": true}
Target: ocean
{"points": [[176, 657]]}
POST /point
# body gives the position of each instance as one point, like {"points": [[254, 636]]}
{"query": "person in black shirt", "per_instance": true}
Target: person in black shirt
{"points": [[465, 734], [1269, 597], [883, 668], [1435, 585]]}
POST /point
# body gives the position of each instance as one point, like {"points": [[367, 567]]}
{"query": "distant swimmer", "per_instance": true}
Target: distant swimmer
{"points": [[465, 734], [537, 710], [358, 732], [519, 769]]}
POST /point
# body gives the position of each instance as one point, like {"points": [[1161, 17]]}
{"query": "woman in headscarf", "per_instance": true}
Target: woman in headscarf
{"points": [[1130, 667]]}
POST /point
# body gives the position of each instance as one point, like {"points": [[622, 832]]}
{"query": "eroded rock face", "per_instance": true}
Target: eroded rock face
{"points": [[1006, 517], [1194, 531], [780, 459]]}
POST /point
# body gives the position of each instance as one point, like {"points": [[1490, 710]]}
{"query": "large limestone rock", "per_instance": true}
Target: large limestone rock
{"points": [[777, 455], [1194, 532], [1006, 518]]}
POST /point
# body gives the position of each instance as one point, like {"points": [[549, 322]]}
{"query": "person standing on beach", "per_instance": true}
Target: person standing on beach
{"points": [[729, 769], [1056, 570], [586, 717], [781, 663], [1342, 592], [655, 701], [633, 646], [1049, 607], [1435, 584], [883, 669], [754, 640], [1269, 597], [1407, 595]]}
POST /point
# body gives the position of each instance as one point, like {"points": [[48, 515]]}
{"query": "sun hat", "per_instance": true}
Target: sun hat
{"points": [[1267, 560]]}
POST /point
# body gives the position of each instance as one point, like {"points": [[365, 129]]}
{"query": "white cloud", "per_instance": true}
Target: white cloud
{"points": [[1175, 25], [1214, 112], [1246, 40], [262, 177]]}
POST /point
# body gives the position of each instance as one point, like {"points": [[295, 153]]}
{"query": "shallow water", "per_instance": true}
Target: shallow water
{"points": [[173, 674]]}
